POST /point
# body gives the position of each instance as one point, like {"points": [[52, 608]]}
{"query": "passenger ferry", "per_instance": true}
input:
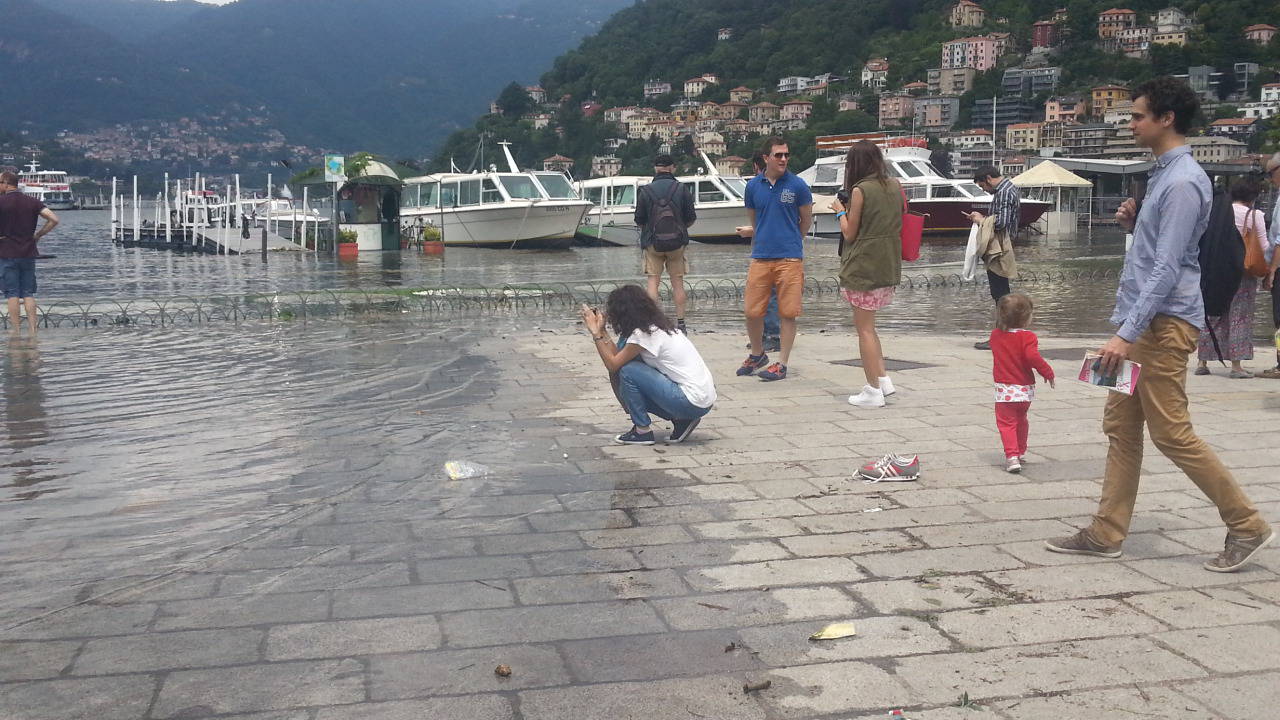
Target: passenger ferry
{"points": [[492, 209], [718, 201], [48, 186], [945, 201]]}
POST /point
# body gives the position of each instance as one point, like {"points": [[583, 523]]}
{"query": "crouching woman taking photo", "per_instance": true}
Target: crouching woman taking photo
{"points": [[653, 367]]}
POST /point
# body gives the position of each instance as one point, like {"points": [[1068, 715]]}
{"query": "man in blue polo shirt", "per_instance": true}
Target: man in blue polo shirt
{"points": [[780, 208]]}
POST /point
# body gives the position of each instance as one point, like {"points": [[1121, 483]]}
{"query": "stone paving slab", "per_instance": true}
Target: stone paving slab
{"points": [[653, 582]]}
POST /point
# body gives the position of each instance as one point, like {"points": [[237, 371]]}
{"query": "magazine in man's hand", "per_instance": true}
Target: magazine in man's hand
{"points": [[1125, 381]]}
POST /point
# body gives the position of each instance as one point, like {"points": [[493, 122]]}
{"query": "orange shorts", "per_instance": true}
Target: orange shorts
{"points": [[785, 274]]}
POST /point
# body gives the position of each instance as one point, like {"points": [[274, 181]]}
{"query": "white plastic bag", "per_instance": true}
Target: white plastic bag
{"points": [[971, 255]]}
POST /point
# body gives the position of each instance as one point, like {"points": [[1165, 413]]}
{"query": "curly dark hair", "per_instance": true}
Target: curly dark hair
{"points": [[1170, 95], [629, 308]]}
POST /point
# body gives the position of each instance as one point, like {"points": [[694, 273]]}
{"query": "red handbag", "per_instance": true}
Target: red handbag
{"points": [[912, 230]]}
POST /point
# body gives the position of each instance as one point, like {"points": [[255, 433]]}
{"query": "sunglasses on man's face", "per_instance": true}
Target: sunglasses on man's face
{"points": [[782, 156]]}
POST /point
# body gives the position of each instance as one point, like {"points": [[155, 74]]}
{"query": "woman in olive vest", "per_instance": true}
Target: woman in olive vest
{"points": [[870, 257]]}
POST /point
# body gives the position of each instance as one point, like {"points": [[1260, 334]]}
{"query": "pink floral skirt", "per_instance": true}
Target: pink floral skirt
{"points": [[869, 299]]}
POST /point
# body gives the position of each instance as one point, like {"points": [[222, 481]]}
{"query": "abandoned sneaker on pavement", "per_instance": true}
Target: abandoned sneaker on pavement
{"points": [[891, 468]]}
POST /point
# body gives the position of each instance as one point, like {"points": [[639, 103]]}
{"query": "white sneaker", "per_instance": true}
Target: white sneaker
{"points": [[1013, 465], [869, 398], [886, 386]]}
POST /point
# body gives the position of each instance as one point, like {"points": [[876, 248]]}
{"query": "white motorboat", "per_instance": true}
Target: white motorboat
{"points": [[50, 187], [945, 201], [491, 209], [718, 201]]}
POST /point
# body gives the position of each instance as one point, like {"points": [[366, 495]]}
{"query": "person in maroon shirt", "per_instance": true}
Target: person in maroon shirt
{"points": [[1015, 353], [18, 238]]}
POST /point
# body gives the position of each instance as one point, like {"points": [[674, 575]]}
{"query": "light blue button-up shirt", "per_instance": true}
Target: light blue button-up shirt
{"points": [[1162, 267]]}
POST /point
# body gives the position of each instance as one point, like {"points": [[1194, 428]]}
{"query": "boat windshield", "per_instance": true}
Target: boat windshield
{"points": [[622, 195], [908, 169], [737, 186], [521, 187], [971, 189], [557, 186]]}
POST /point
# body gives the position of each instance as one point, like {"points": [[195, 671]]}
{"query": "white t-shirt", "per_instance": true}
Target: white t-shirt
{"points": [[674, 356]]}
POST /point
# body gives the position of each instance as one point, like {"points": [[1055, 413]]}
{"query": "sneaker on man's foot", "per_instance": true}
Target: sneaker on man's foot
{"points": [[1080, 544], [1012, 465], [891, 468], [631, 437], [680, 429], [984, 345], [886, 386], [753, 363], [1239, 551], [773, 344], [1270, 373], [776, 371], [869, 398]]}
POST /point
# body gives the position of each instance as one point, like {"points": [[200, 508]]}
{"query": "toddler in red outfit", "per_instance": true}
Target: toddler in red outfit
{"points": [[1015, 353]]}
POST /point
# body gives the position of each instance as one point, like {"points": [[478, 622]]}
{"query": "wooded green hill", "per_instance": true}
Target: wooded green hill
{"points": [[677, 39]]}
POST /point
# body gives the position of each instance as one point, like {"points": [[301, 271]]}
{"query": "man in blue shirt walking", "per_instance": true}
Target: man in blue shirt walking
{"points": [[1159, 315], [780, 207]]}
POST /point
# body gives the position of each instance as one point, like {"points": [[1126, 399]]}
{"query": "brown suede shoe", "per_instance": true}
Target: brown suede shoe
{"points": [[1270, 373], [1080, 544], [1239, 551]]}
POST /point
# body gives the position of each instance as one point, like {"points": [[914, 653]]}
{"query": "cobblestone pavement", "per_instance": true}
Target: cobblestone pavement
{"points": [[653, 582]]}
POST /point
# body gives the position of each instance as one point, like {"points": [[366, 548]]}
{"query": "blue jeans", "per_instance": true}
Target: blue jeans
{"points": [[772, 327], [644, 390], [18, 277]]}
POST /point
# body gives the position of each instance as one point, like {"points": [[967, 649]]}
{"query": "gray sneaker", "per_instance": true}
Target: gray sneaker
{"points": [[1080, 544], [1238, 551]]}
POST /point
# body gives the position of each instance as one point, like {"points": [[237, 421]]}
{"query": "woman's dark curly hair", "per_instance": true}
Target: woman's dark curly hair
{"points": [[629, 308]]}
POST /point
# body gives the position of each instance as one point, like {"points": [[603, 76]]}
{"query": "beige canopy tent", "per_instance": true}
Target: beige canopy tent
{"points": [[1053, 183]]}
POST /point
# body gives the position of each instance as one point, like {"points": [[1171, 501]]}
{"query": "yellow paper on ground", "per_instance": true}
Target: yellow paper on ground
{"points": [[834, 631]]}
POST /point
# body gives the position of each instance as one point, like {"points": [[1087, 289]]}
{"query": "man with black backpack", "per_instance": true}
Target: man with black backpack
{"points": [[664, 212], [1160, 311]]}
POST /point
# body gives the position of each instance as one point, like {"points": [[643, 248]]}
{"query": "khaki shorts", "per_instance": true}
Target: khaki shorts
{"points": [[785, 274], [674, 262]]}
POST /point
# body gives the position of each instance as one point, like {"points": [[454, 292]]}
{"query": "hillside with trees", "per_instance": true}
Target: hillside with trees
{"points": [[771, 39]]}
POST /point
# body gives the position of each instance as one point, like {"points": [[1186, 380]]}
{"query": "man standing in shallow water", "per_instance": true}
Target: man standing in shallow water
{"points": [[18, 238], [1159, 315]]}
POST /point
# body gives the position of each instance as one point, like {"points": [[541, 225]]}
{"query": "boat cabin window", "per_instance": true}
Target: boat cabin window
{"points": [[409, 196], [428, 195], [557, 187], [521, 187], [449, 195], [623, 195], [593, 194], [916, 192], [469, 192], [737, 186], [828, 174], [709, 192], [490, 192], [945, 191], [909, 169]]}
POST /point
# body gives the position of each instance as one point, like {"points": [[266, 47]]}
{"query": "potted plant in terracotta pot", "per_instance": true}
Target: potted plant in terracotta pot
{"points": [[432, 240], [347, 247]]}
